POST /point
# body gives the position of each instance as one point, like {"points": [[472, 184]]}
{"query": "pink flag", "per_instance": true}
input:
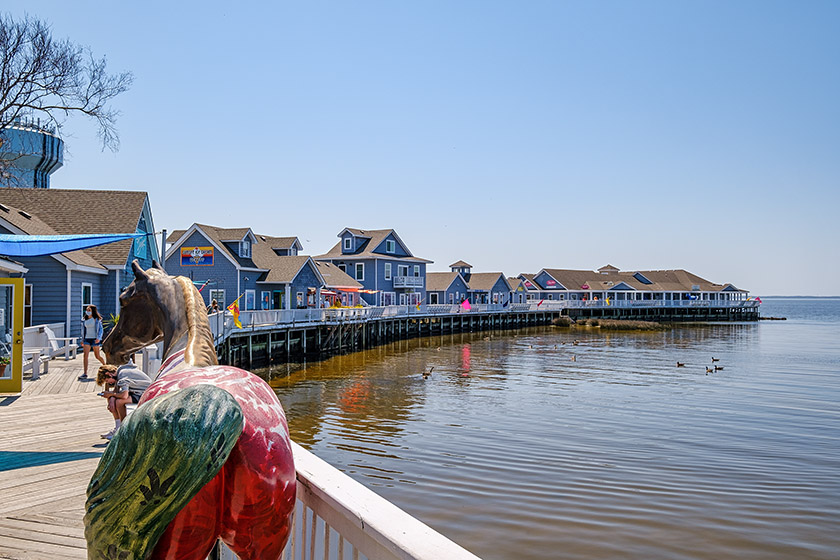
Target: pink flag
{"points": [[540, 303], [758, 299], [466, 305]]}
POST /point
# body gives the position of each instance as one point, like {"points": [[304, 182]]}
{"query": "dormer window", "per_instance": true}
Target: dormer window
{"points": [[245, 248], [390, 246], [348, 243]]}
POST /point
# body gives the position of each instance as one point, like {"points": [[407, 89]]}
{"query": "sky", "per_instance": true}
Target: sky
{"points": [[513, 135]]}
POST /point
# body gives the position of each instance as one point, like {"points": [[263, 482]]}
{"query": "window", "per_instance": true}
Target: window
{"points": [[360, 271], [402, 270], [87, 296], [348, 243], [433, 299], [387, 271], [390, 246], [402, 299], [265, 300], [451, 298], [219, 296], [299, 300], [245, 248], [27, 305], [343, 268], [416, 270], [250, 300]]}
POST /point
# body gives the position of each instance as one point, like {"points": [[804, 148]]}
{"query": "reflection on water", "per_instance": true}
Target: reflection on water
{"points": [[515, 450]]}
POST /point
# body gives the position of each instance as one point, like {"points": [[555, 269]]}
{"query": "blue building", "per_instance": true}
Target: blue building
{"points": [[268, 272], [59, 287], [446, 287], [382, 263], [29, 154]]}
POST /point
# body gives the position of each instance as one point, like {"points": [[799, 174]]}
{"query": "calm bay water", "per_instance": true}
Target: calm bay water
{"points": [[515, 451]]}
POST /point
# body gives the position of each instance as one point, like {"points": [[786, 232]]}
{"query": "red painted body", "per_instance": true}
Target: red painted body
{"points": [[248, 504]]}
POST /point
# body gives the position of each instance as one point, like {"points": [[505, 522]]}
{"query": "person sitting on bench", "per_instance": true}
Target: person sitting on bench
{"points": [[127, 384]]}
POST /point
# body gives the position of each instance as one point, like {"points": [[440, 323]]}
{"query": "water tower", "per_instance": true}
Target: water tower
{"points": [[29, 153]]}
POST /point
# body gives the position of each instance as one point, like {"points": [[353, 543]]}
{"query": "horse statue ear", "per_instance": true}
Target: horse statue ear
{"points": [[157, 265], [139, 274]]}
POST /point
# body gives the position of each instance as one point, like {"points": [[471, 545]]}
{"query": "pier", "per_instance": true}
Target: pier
{"points": [[50, 447], [281, 336]]}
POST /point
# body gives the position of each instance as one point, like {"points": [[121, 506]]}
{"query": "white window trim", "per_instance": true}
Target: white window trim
{"points": [[254, 299], [390, 246], [402, 270], [31, 301], [348, 243], [89, 285], [417, 271], [387, 271], [356, 272], [270, 298], [222, 303], [299, 299], [242, 244]]}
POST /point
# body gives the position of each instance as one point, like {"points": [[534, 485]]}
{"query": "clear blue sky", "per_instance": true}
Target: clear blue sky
{"points": [[513, 135]]}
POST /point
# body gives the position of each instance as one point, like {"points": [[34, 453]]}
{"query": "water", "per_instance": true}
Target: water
{"points": [[515, 451]]}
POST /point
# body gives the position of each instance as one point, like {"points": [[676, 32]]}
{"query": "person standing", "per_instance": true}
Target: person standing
{"points": [[91, 337]]}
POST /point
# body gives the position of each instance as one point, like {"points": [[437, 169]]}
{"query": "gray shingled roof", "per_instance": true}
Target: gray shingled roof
{"points": [[376, 237], [460, 264], [334, 277], [74, 211], [661, 280], [485, 280], [439, 281]]}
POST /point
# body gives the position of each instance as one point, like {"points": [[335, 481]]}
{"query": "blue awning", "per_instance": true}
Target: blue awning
{"points": [[38, 245]]}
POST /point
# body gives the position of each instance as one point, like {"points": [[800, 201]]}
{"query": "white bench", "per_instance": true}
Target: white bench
{"points": [[33, 360], [68, 348]]}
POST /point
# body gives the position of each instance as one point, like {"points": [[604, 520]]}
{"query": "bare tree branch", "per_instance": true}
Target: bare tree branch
{"points": [[45, 78]]}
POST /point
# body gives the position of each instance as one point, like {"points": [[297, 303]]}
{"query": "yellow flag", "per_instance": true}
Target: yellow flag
{"points": [[234, 309]]}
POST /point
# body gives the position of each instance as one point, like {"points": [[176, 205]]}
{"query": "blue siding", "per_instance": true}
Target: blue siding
{"points": [[305, 279], [222, 274], [76, 311], [49, 289], [399, 250]]}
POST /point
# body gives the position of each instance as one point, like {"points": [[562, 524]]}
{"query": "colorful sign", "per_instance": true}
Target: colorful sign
{"points": [[528, 284], [196, 256], [550, 284]]}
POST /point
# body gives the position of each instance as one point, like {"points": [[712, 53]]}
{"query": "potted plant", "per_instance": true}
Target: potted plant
{"points": [[4, 361]]}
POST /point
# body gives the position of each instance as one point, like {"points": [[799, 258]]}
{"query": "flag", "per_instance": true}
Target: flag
{"points": [[540, 303], [418, 304], [506, 303], [608, 301], [203, 286], [234, 310], [466, 305], [758, 299]]}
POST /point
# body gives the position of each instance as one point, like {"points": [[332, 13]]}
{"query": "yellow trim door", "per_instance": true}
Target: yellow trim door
{"points": [[12, 379]]}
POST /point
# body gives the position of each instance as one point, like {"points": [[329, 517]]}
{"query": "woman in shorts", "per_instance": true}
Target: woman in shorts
{"points": [[91, 337]]}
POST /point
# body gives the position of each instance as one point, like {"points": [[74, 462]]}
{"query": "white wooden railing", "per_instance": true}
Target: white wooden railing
{"points": [[222, 322], [336, 518]]}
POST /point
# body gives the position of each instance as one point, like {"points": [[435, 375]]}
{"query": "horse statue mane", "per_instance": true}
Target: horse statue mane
{"points": [[205, 456]]}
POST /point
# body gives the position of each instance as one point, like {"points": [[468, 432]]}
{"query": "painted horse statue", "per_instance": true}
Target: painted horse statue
{"points": [[206, 454]]}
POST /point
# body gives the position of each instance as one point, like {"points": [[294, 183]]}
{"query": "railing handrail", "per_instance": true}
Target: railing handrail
{"points": [[374, 526], [222, 322]]}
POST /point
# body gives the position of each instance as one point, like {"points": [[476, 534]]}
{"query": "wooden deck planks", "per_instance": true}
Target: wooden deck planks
{"points": [[49, 448]]}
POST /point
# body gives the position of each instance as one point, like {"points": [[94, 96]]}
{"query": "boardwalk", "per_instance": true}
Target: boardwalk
{"points": [[49, 448]]}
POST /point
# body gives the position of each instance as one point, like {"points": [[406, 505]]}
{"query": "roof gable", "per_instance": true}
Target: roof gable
{"points": [[66, 210]]}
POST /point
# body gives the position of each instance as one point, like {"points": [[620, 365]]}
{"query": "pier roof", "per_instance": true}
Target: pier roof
{"points": [[642, 280]]}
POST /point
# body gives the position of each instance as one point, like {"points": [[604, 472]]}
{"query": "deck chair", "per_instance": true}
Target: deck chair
{"points": [[68, 346]]}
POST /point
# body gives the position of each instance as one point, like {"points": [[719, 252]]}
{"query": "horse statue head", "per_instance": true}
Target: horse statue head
{"points": [[155, 307]]}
